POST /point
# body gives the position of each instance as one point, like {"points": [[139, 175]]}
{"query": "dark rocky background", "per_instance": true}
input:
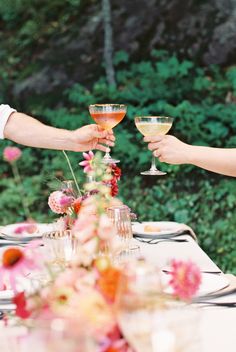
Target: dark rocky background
{"points": [[51, 45]]}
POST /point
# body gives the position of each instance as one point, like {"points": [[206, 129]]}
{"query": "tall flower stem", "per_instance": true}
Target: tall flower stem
{"points": [[72, 173], [21, 188]]}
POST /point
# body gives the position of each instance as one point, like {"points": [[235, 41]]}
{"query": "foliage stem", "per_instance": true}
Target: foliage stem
{"points": [[21, 188], [72, 173]]}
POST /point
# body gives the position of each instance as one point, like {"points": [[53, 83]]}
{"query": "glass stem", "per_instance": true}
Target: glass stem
{"points": [[107, 154], [153, 166]]}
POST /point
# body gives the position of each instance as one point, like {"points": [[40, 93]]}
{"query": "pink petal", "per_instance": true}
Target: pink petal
{"points": [[86, 156], [87, 169], [91, 154], [84, 163]]}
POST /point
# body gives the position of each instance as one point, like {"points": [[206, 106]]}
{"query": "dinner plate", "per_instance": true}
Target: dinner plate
{"points": [[11, 230], [210, 283], [6, 295], [148, 229]]}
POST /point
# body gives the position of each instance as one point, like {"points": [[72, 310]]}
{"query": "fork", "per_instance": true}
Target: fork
{"points": [[5, 236], [156, 241], [217, 304], [214, 295]]}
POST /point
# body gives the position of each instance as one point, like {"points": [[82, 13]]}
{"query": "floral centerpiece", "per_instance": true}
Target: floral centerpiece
{"points": [[82, 294]]}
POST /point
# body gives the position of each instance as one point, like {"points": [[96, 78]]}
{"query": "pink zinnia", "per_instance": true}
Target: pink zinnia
{"points": [[59, 202], [88, 162], [18, 262], [185, 279], [11, 154]]}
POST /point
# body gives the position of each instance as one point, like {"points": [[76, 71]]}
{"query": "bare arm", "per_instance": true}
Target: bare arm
{"points": [[28, 131], [171, 150]]}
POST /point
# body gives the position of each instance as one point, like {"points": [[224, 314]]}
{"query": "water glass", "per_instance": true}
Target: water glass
{"points": [[121, 220], [61, 246]]}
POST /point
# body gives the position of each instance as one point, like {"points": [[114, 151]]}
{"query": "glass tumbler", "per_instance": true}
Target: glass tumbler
{"points": [[121, 219]]}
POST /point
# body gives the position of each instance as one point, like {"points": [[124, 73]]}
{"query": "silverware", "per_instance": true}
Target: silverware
{"points": [[156, 241], [217, 304], [5, 236], [216, 272], [213, 296], [13, 244], [164, 236]]}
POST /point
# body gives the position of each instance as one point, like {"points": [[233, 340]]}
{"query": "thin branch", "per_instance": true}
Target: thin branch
{"points": [[108, 42]]}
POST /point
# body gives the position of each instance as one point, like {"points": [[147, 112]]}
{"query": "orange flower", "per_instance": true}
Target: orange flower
{"points": [[17, 263], [108, 282], [11, 257], [77, 205]]}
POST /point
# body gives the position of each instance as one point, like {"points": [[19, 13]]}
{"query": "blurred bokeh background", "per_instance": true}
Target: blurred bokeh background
{"points": [[170, 57]]}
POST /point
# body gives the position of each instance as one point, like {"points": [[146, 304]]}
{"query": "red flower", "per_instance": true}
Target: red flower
{"points": [[20, 302], [116, 171], [114, 187]]}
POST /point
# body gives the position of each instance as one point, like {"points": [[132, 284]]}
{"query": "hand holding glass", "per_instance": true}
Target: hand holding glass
{"points": [[107, 116], [153, 126]]}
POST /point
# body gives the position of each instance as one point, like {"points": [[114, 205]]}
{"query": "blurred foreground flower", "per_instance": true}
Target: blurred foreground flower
{"points": [[185, 279], [18, 262], [11, 154], [21, 306]]}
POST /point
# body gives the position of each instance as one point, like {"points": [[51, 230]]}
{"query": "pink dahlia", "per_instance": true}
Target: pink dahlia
{"points": [[185, 279], [11, 154], [87, 163], [59, 202]]}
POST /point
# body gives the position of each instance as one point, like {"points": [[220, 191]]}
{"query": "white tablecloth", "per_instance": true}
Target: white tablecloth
{"points": [[217, 325]]}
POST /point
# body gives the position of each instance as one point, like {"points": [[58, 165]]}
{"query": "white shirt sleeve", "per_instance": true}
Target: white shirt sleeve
{"points": [[5, 112]]}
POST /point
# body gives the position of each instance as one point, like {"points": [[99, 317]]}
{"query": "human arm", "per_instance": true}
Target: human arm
{"points": [[171, 150], [26, 130]]}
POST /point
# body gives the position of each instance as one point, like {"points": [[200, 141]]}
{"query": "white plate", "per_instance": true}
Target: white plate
{"points": [[210, 283], [158, 227], [5, 300], [41, 228], [6, 294]]}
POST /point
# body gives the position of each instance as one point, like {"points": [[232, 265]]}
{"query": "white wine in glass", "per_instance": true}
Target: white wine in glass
{"points": [[153, 126]]}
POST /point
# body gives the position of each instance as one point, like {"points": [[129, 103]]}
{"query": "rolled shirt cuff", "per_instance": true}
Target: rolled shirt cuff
{"points": [[5, 112]]}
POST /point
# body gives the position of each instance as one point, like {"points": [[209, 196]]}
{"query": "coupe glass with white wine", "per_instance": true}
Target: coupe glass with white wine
{"points": [[108, 116], [153, 126]]}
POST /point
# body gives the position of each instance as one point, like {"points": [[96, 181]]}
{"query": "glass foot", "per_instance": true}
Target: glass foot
{"points": [[153, 173], [110, 161]]}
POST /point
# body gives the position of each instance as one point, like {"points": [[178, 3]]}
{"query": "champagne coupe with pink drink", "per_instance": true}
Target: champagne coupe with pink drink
{"points": [[108, 116]]}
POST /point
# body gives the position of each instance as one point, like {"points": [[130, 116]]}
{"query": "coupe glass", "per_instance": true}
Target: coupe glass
{"points": [[153, 126], [108, 116]]}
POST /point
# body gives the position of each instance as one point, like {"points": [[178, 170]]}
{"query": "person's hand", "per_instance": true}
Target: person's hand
{"points": [[92, 137], [169, 149]]}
